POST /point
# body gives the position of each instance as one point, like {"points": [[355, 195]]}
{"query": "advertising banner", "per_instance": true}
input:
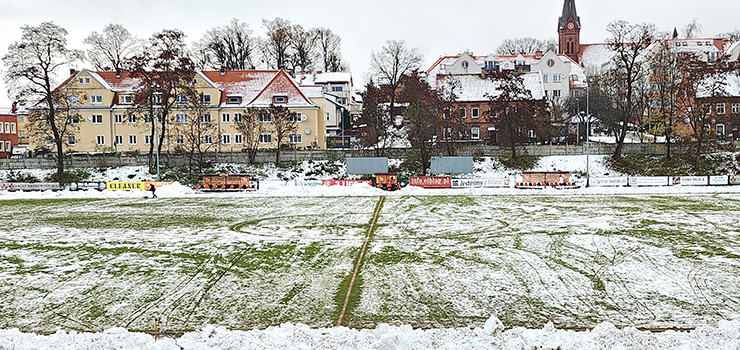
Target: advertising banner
{"points": [[430, 181], [345, 182], [649, 181], [157, 184], [84, 186], [466, 183], [734, 179], [124, 186], [29, 186], [719, 180], [607, 181], [545, 177], [689, 180], [307, 183]]}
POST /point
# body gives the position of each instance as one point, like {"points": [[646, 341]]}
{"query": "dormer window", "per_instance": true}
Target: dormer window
{"points": [[127, 99], [465, 64], [234, 99], [279, 99]]}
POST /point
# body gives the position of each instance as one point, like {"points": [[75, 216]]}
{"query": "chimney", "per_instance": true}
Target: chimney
{"points": [[538, 54], [72, 71], [118, 73], [14, 108], [223, 70]]}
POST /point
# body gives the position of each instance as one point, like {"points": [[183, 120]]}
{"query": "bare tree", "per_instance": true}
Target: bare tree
{"points": [[276, 48], [229, 47], [391, 65], [526, 46], [32, 67], [303, 43], [165, 74], [195, 131], [329, 45], [111, 49], [627, 71], [452, 123], [666, 75], [249, 125], [733, 35], [284, 123], [691, 30], [422, 114], [514, 109]]}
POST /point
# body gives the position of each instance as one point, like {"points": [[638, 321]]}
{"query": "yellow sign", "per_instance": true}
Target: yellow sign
{"points": [[124, 186]]}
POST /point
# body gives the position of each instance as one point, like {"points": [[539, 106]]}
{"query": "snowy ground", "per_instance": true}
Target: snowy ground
{"points": [[444, 260]]}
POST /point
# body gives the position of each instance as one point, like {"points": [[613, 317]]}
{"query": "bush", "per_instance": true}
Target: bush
{"points": [[21, 177], [64, 179], [658, 165]]}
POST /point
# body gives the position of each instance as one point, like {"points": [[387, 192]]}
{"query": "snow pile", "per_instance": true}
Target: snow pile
{"points": [[726, 335]]}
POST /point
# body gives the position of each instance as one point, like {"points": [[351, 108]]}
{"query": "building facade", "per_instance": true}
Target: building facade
{"points": [[103, 107], [8, 132]]}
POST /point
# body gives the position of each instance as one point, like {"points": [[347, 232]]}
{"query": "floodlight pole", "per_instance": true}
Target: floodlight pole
{"points": [[156, 143], [588, 133]]}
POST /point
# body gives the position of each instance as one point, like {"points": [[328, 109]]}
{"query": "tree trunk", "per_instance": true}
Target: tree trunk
{"points": [[620, 141], [277, 154]]}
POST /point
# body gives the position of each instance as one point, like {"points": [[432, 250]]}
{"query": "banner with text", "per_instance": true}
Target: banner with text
{"points": [[430, 181], [345, 182], [466, 183]]}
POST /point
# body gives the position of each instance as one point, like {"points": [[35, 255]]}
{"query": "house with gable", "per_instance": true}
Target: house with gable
{"points": [[102, 104]]}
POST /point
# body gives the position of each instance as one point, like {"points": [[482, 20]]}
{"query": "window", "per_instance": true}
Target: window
{"points": [[280, 99], [735, 110], [147, 139], [73, 119], [147, 118], [1, 147], [295, 138], [96, 98], [84, 81], [342, 100], [265, 117], [544, 78], [127, 99], [208, 139], [96, 118], [475, 133], [446, 133], [181, 118], [461, 112], [556, 78], [131, 139], [205, 118], [234, 99], [265, 138], [12, 128], [5, 130], [8, 146], [49, 140], [118, 118], [118, 140], [20, 117], [87, 81], [237, 117], [21, 134], [464, 64], [446, 113], [550, 63], [205, 99], [337, 88], [132, 118], [474, 112], [180, 98], [531, 134], [555, 93], [100, 140], [721, 108], [71, 140], [296, 117], [179, 139], [73, 99], [492, 114], [225, 117], [225, 139], [156, 99], [720, 129], [238, 139]]}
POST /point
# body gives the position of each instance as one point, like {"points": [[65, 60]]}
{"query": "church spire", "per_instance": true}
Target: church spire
{"points": [[569, 11]]}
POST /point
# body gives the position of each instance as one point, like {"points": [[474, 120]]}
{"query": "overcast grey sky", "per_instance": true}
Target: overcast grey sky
{"points": [[436, 27]]}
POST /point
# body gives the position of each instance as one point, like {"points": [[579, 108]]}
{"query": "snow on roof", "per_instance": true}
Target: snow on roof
{"points": [[596, 55], [333, 77], [256, 87], [472, 87], [6, 111], [312, 91], [123, 82]]}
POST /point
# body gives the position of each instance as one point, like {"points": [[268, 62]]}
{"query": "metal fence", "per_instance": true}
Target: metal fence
{"points": [[122, 159]]}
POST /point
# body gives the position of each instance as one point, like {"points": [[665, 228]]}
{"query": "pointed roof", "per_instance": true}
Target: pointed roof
{"points": [[569, 11]]}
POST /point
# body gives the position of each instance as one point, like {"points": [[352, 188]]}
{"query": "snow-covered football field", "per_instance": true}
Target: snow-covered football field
{"points": [[436, 260]]}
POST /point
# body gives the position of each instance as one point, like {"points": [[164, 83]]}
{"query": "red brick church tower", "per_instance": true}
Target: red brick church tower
{"points": [[569, 31]]}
